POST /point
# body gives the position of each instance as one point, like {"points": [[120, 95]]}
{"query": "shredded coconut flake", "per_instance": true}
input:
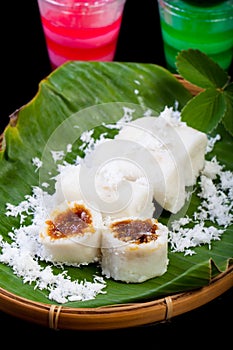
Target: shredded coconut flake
{"points": [[57, 155], [216, 207], [37, 162], [211, 143]]}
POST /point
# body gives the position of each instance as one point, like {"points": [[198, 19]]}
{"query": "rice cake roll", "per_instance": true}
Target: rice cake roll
{"points": [[72, 234], [134, 250], [187, 144], [124, 191], [67, 185], [121, 186], [168, 173]]}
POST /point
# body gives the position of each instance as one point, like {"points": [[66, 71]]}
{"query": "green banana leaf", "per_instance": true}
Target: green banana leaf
{"points": [[47, 122]]}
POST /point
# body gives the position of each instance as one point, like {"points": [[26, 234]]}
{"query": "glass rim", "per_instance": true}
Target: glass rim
{"points": [[75, 4], [212, 15]]}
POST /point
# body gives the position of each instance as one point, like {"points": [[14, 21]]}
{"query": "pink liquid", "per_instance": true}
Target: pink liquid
{"points": [[79, 38]]}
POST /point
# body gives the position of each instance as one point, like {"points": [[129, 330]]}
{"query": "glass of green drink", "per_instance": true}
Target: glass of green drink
{"points": [[203, 25]]}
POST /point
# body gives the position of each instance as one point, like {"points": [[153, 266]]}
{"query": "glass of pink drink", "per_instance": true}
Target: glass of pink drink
{"points": [[83, 30]]}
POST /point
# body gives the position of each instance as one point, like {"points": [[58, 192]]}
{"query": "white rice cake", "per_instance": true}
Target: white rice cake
{"points": [[123, 195], [71, 234], [166, 173], [178, 148], [134, 250], [120, 187], [67, 186]]}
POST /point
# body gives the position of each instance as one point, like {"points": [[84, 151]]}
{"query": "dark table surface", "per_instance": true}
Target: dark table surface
{"points": [[24, 64]]}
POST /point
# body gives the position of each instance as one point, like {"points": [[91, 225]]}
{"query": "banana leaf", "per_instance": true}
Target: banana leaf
{"points": [[89, 95]]}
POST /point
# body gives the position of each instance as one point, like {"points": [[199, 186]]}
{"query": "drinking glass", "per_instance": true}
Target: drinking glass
{"points": [[204, 25], [81, 30]]}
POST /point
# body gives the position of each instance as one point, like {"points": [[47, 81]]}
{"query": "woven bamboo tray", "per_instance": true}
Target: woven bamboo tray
{"points": [[120, 315], [115, 316]]}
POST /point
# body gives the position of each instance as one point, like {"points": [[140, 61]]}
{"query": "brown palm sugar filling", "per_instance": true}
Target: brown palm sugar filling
{"points": [[138, 231], [70, 222]]}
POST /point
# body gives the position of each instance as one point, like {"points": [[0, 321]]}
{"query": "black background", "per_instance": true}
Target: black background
{"points": [[24, 63]]}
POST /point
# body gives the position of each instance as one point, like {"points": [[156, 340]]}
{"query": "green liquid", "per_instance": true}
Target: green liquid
{"points": [[208, 28]]}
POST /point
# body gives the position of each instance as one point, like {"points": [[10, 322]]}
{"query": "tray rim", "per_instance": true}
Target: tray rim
{"points": [[114, 316]]}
